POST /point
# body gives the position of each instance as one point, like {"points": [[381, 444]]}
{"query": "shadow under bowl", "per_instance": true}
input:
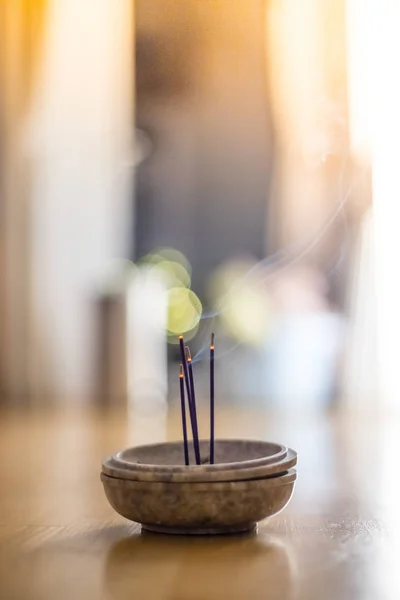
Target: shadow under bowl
{"points": [[199, 508]]}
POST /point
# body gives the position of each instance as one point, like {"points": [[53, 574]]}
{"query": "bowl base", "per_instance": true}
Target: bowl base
{"points": [[219, 530]]}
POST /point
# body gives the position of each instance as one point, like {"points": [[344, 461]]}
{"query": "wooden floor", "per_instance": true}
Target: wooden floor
{"points": [[339, 538]]}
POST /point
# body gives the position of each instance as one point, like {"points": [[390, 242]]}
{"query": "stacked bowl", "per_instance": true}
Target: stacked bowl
{"points": [[250, 480]]}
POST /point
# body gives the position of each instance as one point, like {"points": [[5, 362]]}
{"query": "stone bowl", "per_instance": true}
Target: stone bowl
{"points": [[235, 460], [210, 507]]}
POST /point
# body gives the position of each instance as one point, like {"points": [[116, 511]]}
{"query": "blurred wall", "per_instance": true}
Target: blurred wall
{"points": [[202, 96], [22, 25], [76, 137], [306, 51], [246, 106]]}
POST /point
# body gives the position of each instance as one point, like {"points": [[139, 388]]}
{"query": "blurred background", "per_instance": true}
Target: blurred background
{"points": [[177, 166]]}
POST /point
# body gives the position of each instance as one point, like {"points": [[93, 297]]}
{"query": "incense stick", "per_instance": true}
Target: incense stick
{"points": [[192, 413], [193, 402], [183, 410], [212, 423]]}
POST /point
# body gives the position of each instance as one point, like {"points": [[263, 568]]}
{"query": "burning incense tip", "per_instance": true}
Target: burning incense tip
{"points": [[180, 337], [181, 371], [188, 355]]}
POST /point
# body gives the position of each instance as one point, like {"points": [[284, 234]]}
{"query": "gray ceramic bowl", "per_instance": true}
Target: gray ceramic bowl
{"points": [[235, 460], [199, 508]]}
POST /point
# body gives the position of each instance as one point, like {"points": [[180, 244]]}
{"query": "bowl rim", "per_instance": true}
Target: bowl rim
{"points": [[121, 462], [252, 471]]}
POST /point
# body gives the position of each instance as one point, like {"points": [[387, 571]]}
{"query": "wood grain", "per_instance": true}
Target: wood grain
{"points": [[59, 539]]}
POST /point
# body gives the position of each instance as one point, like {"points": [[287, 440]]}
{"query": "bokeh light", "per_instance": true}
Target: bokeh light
{"points": [[184, 310], [241, 301], [246, 315], [173, 255], [171, 264], [226, 277], [175, 275], [183, 306], [173, 339]]}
